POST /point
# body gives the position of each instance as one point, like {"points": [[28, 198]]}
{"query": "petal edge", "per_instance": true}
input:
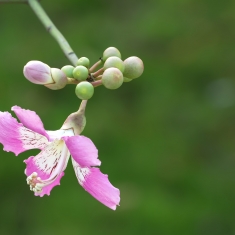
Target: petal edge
{"points": [[98, 185], [30, 120], [10, 134]]}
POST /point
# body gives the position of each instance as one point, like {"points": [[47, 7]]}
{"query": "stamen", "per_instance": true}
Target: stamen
{"points": [[34, 182]]}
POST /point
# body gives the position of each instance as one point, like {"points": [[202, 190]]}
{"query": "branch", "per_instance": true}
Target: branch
{"points": [[11, 1], [14, 1], [50, 27]]}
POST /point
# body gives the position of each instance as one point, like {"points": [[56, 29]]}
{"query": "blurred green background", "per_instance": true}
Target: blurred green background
{"points": [[166, 139]]}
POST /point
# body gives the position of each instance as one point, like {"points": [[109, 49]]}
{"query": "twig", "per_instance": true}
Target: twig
{"points": [[50, 27], [15, 1]]}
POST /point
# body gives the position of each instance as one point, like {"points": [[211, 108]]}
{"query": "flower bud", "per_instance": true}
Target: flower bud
{"points": [[59, 79], [134, 67], [68, 70], [115, 62], [84, 90], [84, 61], [112, 78], [111, 51], [80, 73], [37, 72]]}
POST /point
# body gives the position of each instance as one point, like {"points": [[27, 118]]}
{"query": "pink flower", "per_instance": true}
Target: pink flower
{"points": [[45, 170]]}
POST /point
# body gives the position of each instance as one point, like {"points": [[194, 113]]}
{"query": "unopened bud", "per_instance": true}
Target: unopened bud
{"points": [[111, 51], [68, 70], [80, 73], [112, 78], [84, 61], [37, 72], [84, 90], [134, 67], [59, 79], [114, 62]]}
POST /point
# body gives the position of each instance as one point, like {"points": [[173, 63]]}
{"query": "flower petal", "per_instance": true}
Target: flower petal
{"points": [[16, 138], [49, 165], [82, 150], [58, 134], [98, 185], [30, 120]]}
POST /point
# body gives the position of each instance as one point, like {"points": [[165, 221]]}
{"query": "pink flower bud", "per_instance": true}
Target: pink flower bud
{"points": [[38, 72]]}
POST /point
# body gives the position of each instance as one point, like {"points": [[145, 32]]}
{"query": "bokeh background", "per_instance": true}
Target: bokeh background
{"points": [[166, 139]]}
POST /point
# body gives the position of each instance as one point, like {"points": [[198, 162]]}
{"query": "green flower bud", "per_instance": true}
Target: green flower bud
{"points": [[84, 61], [84, 90], [111, 51], [115, 62], [80, 73], [134, 67], [126, 79], [112, 78], [68, 70], [59, 79]]}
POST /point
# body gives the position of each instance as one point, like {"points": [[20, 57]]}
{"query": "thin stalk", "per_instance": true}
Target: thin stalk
{"points": [[98, 78], [96, 83], [13, 1], [98, 72], [82, 107], [97, 64], [55, 33], [72, 81], [50, 27]]}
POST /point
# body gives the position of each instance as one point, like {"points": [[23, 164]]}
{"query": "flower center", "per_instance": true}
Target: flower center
{"points": [[34, 182], [37, 184]]}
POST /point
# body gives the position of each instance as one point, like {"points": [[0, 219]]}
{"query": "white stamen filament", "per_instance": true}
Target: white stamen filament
{"points": [[36, 183]]}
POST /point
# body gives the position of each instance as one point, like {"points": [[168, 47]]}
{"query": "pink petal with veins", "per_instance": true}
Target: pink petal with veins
{"points": [[98, 185], [31, 167], [49, 165]]}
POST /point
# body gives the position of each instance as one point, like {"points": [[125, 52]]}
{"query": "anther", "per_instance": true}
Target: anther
{"points": [[34, 182]]}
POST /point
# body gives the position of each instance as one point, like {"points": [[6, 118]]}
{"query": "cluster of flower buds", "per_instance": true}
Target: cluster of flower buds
{"points": [[113, 73], [117, 71]]}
